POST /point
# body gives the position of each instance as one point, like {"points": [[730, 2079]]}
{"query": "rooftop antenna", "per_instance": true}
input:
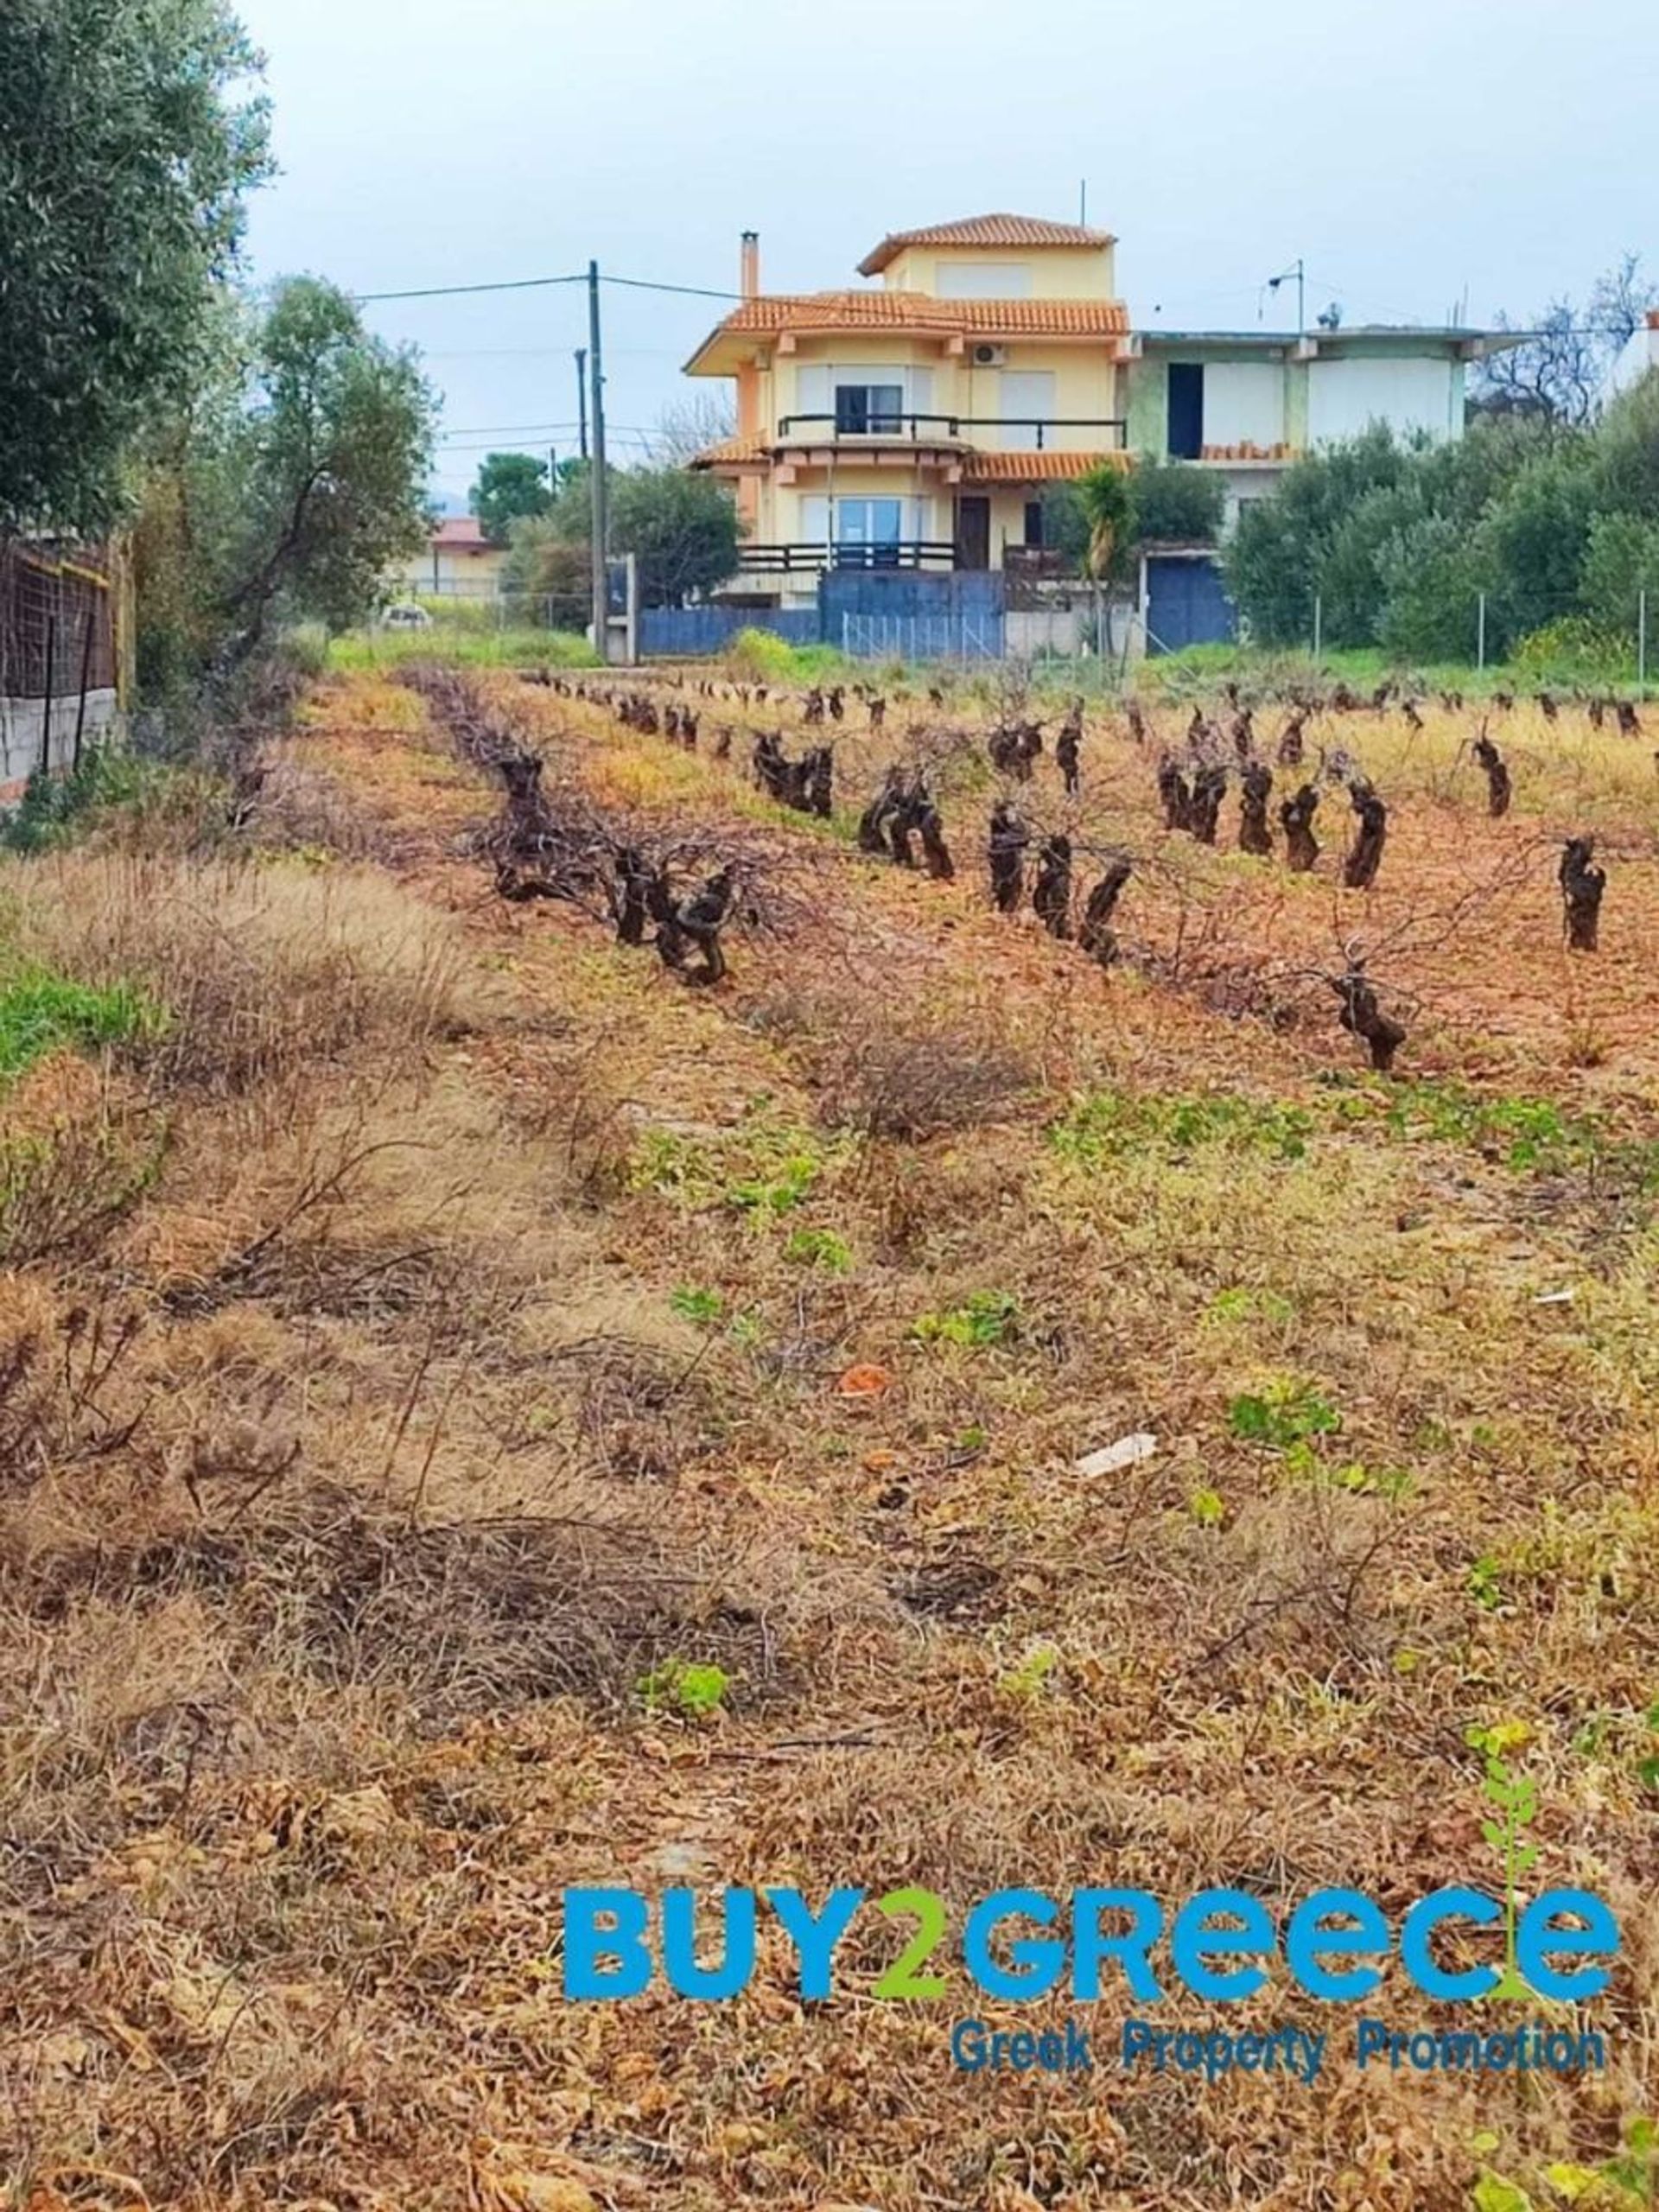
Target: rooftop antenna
{"points": [[1296, 271], [1083, 203]]}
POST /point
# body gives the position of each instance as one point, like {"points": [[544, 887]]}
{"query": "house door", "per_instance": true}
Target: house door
{"points": [[973, 531], [1186, 605], [1185, 411]]}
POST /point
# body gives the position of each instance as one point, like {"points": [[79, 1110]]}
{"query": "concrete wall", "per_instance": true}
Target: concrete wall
{"points": [[21, 734], [1148, 406], [1029, 632], [1409, 392], [1244, 403], [1247, 399]]}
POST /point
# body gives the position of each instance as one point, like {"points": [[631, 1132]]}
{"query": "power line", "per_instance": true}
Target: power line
{"points": [[540, 283], [456, 291], [691, 291]]}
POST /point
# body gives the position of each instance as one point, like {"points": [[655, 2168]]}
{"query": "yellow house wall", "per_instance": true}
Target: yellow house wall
{"points": [[1007, 519], [1085, 386], [789, 526], [1085, 382], [783, 518], [1081, 272], [474, 574]]}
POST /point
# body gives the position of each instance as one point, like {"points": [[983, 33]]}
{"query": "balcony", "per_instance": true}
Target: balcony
{"points": [[807, 557], [863, 429]]}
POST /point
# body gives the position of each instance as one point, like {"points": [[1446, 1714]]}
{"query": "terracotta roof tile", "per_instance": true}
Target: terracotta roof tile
{"points": [[982, 230], [1035, 467], [834, 311], [726, 451], [461, 534]]}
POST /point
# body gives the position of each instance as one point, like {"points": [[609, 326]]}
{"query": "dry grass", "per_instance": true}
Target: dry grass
{"points": [[471, 1343]]}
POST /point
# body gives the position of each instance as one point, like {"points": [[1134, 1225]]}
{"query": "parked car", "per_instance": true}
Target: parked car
{"points": [[407, 618]]}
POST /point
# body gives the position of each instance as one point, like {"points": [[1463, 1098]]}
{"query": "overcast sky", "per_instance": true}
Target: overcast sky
{"points": [[1414, 154]]}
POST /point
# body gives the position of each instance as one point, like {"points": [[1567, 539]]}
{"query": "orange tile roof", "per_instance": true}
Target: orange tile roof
{"points": [[982, 230], [726, 451], [920, 311], [460, 534], [1035, 467]]}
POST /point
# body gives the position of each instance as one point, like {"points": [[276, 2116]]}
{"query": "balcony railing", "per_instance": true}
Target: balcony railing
{"points": [[809, 557], [934, 429]]}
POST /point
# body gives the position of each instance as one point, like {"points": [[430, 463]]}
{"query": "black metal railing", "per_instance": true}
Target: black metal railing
{"points": [[948, 427], [808, 557]]}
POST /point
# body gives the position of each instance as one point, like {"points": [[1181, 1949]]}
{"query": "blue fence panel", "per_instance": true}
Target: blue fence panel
{"points": [[694, 633], [883, 614]]}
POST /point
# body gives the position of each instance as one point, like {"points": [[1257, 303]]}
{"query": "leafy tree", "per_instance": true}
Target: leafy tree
{"points": [[1277, 555], [682, 529], [548, 575], [126, 148], [1621, 562], [1175, 503], [1430, 578], [1627, 451], [509, 486], [1106, 504], [1166, 501], [1534, 539], [1551, 523], [292, 488]]}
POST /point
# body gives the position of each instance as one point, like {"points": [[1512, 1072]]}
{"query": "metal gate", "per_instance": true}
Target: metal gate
{"points": [[921, 636], [1186, 604]]}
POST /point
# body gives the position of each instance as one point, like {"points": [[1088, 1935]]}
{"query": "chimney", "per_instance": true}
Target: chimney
{"points": [[749, 281]]}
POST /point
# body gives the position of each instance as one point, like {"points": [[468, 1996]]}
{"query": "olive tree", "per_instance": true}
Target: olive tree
{"points": [[128, 140]]}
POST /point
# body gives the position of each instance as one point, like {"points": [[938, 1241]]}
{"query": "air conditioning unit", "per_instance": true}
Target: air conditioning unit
{"points": [[989, 357]]}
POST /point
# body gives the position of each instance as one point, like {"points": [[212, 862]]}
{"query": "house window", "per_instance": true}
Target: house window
{"points": [[1033, 522], [869, 521], [1025, 403], [862, 409]]}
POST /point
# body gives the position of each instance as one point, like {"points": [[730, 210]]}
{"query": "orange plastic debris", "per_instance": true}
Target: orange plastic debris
{"points": [[864, 1381]]}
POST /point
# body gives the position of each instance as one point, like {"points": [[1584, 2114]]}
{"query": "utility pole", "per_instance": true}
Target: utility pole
{"points": [[1299, 272], [582, 399], [602, 518]]}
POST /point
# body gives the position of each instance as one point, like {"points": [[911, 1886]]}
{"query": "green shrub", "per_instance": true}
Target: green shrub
{"points": [[1576, 649], [1101, 1125], [692, 1690], [987, 1317], [39, 1012], [762, 656], [1287, 1413], [820, 1248], [54, 809]]}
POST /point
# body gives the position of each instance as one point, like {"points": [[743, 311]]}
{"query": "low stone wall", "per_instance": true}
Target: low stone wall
{"points": [[22, 735]]}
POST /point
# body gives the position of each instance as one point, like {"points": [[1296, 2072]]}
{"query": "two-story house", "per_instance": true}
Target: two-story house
{"points": [[915, 422]]}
